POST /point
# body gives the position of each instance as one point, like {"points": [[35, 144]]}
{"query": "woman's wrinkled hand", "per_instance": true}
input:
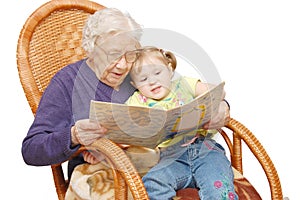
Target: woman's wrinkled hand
{"points": [[85, 132], [220, 119]]}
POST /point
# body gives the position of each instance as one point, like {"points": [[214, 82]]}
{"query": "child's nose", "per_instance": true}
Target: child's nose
{"points": [[152, 80]]}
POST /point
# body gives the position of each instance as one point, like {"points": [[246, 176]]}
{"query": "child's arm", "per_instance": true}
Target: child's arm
{"points": [[202, 87]]}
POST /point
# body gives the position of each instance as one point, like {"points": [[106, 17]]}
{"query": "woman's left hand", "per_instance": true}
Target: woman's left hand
{"points": [[220, 119]]}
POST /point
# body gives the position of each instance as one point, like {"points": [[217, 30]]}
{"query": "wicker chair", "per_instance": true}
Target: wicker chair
{"points": [[51, 39]]}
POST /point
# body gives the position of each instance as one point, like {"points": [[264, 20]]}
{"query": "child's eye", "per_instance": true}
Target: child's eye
{"points": [[157, 73], [143, 79]]}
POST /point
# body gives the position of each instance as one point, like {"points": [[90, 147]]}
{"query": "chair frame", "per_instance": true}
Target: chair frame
{"points": [[125, 173]]}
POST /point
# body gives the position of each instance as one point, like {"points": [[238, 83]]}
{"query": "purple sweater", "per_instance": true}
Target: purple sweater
{"points": [[66, 100]]}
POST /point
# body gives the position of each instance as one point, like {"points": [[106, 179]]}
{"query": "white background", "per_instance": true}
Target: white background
{"points": [[254, 44]]}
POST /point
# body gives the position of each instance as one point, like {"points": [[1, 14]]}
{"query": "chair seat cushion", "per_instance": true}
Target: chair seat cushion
{"points": [[243, 188]]}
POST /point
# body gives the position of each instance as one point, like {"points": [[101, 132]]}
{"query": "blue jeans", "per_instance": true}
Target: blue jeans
{"points": [[202, 164]]}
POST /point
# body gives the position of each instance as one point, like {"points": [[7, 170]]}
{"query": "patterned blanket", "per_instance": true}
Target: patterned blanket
{"points": [[94, 182]]}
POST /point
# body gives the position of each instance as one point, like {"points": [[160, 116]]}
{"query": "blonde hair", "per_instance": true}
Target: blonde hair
{"points": [[106, 22], [166, 57]]}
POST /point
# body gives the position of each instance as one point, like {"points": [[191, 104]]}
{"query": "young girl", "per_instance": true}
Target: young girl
{"points": [[193, 160]]}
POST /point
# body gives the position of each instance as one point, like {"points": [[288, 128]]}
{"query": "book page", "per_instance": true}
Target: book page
{"points": [[148, 127]]}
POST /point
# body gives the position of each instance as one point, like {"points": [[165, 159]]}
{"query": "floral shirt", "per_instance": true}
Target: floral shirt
{"points": [[182, 92]]}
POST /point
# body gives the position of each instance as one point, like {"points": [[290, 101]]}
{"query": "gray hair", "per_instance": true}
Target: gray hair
{"points": [[105, 22]]}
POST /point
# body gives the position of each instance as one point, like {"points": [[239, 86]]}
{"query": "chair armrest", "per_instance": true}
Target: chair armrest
{"points": [[125, 173], [242, 133]]}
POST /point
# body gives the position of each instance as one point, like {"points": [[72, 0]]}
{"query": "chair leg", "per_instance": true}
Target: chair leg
{"points": [[61, 184]]}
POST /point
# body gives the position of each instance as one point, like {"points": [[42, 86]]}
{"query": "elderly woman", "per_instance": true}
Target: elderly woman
{"points": [[61, 122]]}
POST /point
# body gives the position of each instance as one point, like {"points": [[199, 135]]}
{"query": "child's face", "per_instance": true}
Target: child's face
{"points": [[154, 79]]}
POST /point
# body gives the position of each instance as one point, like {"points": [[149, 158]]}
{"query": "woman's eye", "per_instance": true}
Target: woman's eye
{"points": [[114, 54]]}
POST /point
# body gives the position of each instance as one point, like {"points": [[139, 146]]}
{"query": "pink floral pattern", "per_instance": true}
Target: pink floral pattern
{"points": [[218, 184], [223, 185], [142, 98], [231, 195]]}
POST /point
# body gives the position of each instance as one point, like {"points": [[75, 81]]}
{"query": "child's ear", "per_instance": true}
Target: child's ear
{"points": [[170, 67]]}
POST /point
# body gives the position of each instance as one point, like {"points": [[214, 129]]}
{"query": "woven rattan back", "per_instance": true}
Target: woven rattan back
{"points": [[49, 40]]}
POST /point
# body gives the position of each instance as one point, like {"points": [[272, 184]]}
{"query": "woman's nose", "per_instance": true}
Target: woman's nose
{"points": [[121, 63]]}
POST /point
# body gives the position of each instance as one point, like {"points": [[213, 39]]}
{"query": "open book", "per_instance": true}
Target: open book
{"points": [[149, 127]]}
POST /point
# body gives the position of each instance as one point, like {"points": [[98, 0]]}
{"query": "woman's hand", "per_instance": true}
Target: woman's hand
{"points": [[86, 132], [221, 118]]}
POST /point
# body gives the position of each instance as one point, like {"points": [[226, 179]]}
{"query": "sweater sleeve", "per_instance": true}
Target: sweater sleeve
{"points": [[48, 140]]}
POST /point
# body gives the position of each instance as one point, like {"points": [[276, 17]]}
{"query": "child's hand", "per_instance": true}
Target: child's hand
{"points": [[91, 158]]}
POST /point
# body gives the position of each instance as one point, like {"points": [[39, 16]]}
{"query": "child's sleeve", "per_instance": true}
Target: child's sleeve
{"points": [[192, 83]]}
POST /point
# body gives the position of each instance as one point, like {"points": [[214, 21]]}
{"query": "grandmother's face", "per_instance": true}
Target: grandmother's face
{"points": [[110, 65]]}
